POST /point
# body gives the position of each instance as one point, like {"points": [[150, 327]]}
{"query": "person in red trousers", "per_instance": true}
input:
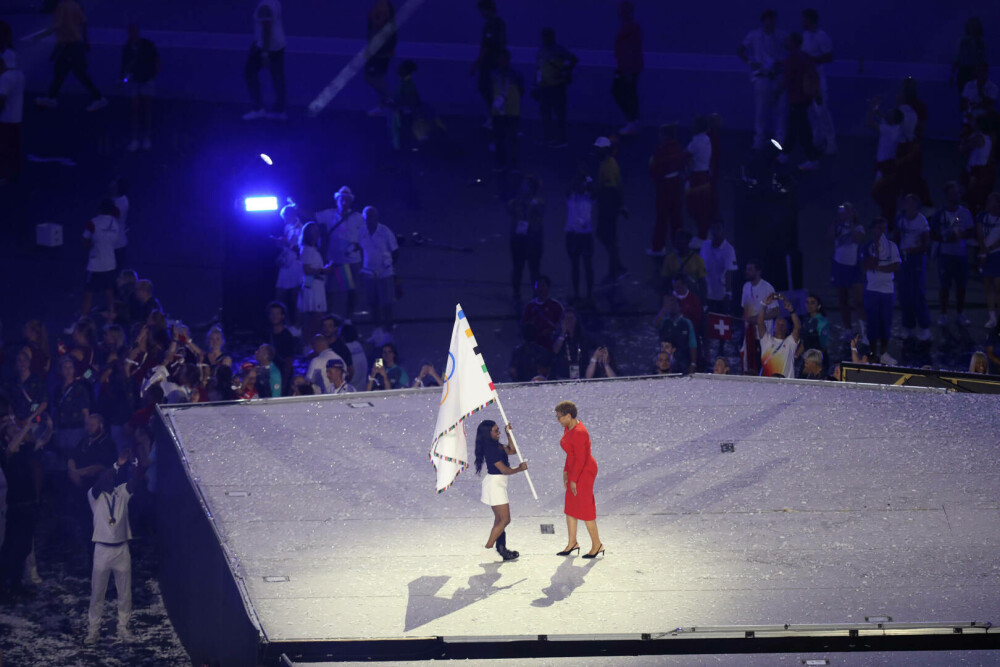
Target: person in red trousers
{"points": [[666, 168], [578, 477]]}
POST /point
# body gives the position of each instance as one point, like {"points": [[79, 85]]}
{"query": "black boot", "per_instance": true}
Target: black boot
{"points": [[502, 549]]}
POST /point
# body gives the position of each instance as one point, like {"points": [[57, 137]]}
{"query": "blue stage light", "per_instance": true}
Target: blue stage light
{"points": [[267, 159], [265, 203]]}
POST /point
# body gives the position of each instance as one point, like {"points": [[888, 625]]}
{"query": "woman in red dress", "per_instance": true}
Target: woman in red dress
{"points": [[578, 478]]}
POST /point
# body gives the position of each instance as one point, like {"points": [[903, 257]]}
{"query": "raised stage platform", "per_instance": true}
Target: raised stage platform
{"points": [[291, 525]]}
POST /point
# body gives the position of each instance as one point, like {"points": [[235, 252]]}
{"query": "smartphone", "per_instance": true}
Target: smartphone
{"points": [[378, 363]]}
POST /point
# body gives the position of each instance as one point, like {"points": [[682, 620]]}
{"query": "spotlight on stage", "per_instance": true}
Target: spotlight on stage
{"points": [[268, 161], [774, 142], [262, 203]]}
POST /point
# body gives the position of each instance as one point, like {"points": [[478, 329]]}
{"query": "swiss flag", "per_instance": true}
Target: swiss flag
{"points": [[720, 327]]}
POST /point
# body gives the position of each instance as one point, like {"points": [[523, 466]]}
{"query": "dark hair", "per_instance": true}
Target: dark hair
{"points": [[755, 262], [483, 439], [566, 408], [108, 206], [548, 36], [795, 38], [391, 346], [276, 304], [819, 301], [810, 15], [768, 14]]}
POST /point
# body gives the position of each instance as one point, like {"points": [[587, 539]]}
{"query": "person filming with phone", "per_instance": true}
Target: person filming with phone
{"points": [[777, 350], [386, 373]]}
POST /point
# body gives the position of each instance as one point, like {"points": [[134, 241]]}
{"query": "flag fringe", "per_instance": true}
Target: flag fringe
{"points": [[460, 420]]}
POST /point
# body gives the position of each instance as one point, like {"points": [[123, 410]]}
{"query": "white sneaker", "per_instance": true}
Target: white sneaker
{"points": [[97, 105], [887, 360], [92, 637], [276, 115], [256, 114], [47, 102], [992, 322], [133, 146], [924, 335], [146, 144], [809, 165], [124, 635]]}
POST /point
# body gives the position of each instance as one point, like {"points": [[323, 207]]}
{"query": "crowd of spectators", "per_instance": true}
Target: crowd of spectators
{"points": [[79, 402]]}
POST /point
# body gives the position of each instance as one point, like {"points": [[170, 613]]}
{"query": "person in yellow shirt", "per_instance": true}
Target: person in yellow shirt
{"points": [[69, 25]]}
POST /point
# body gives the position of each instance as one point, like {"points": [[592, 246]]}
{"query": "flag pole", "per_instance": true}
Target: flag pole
{"points": [[513, 442]]}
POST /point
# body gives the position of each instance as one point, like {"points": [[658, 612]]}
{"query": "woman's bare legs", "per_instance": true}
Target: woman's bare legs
{"points": [[595, 539], [571, 532], [501, 519]]}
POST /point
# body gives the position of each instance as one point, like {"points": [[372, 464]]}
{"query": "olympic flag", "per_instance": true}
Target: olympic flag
{"points": [[467, 389]]}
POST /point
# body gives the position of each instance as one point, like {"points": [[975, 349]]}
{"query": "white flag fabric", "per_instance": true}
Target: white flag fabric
{"points": [[467, 389]]}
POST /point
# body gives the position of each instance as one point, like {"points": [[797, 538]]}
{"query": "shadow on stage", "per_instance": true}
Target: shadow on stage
{"points": [[567, 578], [423, 606]]}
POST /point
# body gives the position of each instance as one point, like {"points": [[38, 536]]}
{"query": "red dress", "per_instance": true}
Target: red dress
{"points": [[582, 469]]}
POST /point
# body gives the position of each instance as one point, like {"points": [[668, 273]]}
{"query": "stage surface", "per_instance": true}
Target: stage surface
{"points": [[837, 502]]}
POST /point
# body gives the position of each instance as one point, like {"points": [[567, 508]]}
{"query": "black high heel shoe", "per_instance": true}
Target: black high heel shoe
{"points": [[569, 551], [595, 555]]}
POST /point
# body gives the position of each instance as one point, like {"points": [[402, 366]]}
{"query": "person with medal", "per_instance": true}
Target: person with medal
{"points": [[109, 504]]}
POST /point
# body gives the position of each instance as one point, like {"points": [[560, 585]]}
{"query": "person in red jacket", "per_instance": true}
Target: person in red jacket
{"points": [[628, 64], [578, 477], [666, 168]]}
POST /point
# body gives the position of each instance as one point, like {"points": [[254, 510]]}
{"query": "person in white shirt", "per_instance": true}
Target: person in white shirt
{"points": [[100, 236], [119, 195], [11, 112], [335, 378], [580, 211], [312, 296], [381, 253], [109, 505], [720, 261], [342, 248], [817, 45], [777, 350], [881, 261], [289, 282], [979, 96], [318, 364], [913, 234], [267, 50], [845, 269], [764, 50], [699, 190], [988, 235], [885, 190], [951, 228], [755, 291]]}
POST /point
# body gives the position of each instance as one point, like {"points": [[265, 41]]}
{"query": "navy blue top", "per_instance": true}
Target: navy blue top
{"points": [[494, 454]]}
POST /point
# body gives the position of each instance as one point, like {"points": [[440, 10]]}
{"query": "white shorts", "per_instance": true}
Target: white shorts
{"points": [[495, 490]]}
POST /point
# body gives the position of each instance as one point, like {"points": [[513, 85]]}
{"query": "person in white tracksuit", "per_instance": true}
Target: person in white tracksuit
{"points": [[109, 504]]}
